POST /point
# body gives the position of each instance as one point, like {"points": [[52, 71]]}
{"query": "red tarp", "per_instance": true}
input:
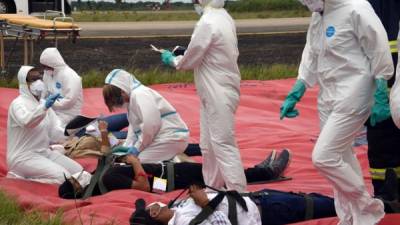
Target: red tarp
{"points": [[258, 130]]}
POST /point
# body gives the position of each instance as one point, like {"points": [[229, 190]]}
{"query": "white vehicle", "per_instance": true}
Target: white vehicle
{"points": [[28, 7]]}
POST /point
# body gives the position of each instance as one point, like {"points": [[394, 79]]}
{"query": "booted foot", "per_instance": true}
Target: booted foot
{"points": [[281, 162], [268, 161]]}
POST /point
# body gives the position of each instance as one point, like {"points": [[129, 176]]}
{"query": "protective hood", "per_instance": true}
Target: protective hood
{"points": [[23, 86], [212, 3], [51, 57], [123, 80], [313, 5]]}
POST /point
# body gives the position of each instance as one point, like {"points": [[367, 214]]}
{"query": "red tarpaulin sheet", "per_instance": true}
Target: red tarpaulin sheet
{"points": [[258, 130]]}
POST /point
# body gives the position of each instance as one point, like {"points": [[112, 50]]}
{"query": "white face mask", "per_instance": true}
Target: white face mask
{"points": [[37, 88], [83, 178], [199, 9], [313, 5]]}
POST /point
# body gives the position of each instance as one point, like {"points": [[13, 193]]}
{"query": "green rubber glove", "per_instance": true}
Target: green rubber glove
{"points": [[294, 96], [167, 58], [381, 109]]}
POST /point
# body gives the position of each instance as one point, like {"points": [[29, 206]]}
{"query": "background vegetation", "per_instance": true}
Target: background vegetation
{"points": [[96, 78]]}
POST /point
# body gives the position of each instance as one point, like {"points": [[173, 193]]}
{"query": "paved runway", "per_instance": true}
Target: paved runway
{"points": [[179, 28]]}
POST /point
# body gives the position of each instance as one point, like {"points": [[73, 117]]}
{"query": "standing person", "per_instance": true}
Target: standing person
{"points": [[156, 132], [382, 133], [348, 56], [212, 54], [32, 125], [61, 79]]}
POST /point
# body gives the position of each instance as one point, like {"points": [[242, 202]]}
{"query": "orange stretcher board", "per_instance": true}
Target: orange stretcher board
{"points": [[30, 27]]}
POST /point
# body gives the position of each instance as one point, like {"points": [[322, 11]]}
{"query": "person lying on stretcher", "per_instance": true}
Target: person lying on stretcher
{"points": [[127, 172]]}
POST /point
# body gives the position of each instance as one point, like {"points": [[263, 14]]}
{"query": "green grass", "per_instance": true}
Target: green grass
{"points": [[164, 75], [115, 16], [11, 213]]}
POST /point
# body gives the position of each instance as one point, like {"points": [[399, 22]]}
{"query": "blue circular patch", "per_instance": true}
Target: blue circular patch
{"points": [[330, 31], [58, 85]]}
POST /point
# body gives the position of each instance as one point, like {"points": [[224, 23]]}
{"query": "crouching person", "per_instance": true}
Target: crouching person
{"points": [[32, 126], [156, 131]]}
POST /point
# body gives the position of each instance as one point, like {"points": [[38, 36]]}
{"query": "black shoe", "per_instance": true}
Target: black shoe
{"points": [[279, 165], [268, 161]]}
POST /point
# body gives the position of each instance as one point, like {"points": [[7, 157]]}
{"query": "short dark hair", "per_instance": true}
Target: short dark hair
{"points": [[31, 78], [112, 96]]}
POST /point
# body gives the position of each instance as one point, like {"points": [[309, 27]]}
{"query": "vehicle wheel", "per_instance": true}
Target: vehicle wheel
{"points": [[4, 7]]}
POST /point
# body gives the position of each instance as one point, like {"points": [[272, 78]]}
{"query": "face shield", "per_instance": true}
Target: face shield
{"points": [[313, 5]]}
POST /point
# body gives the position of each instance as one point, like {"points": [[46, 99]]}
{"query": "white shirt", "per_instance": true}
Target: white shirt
{"points": [[187, 210]]}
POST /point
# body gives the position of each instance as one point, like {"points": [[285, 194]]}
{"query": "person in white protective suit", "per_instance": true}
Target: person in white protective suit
{"points": [[395, 92], [212, 54], [156, 132], [59, 78], [347, 54], [31, 127]]}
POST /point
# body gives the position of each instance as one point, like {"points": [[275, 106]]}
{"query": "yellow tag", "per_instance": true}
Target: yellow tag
{"points": [[159, 185]]}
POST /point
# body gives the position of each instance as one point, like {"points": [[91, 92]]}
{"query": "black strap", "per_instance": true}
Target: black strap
{"points": [[103, 164], [95, 178], [233, 198], [309, 211], [170, 176], [208, 210]]}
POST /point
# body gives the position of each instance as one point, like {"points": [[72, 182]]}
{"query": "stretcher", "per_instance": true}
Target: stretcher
{"points": [[29, 28]]}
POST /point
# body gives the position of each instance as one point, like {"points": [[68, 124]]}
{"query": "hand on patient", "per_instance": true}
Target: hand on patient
{"points": [[199, 195]]}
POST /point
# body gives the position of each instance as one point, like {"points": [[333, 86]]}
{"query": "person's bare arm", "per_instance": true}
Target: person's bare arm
{"points": [[105, 142], [140, 180]]}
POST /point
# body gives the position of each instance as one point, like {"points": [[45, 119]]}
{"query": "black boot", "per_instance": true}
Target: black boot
{"points": [[268, 161], [279, 165]]}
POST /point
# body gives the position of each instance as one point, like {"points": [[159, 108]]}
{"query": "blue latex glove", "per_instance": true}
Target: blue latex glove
{"points": [[381, 109], [122, 150], [294, 96], [167, 58], [51, 99]]}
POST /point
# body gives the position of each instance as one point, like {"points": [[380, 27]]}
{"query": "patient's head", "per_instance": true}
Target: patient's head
{"points": [[156, 213]]}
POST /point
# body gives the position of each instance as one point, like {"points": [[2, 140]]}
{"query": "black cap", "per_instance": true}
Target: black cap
{"points": [[140, 216]]}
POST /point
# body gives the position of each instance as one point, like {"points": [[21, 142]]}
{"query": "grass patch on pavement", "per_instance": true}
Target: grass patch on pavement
{"points": [[164, 75], [124, 16], [11, 213]]}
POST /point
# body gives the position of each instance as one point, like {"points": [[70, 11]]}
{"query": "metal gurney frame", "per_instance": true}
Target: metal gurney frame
{"points": [[13, 28]]}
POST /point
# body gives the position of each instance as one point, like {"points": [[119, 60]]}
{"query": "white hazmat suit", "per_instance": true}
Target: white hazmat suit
{"points": [[213, 54], [64, 81], [346, 50], [155, 128], [30, 130], [395, 92]]}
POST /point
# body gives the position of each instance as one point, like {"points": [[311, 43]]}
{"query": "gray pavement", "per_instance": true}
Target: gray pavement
{"points": [[176, 28]]}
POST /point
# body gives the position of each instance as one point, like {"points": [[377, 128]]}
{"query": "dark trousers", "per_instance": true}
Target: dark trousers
{"points": [[121, 177], [383, 149]]}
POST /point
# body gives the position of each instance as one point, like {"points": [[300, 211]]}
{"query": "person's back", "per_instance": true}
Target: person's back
{"points": [[222, 53], [171, 127]]}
